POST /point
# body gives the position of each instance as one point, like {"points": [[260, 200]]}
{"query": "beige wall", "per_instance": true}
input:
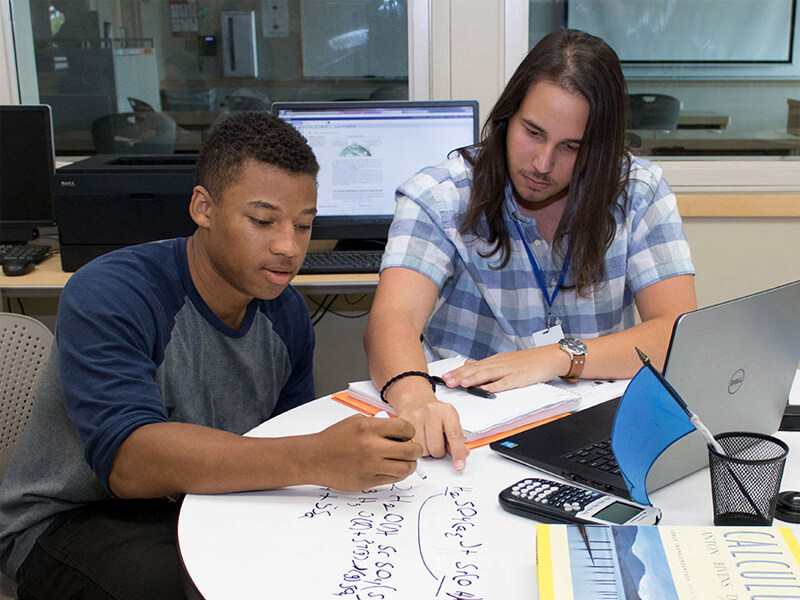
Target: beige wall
{"points": [[735, 256]]}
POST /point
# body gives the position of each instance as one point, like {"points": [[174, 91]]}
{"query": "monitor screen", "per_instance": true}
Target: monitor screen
{"points": [[367, 149], [27, 165]]}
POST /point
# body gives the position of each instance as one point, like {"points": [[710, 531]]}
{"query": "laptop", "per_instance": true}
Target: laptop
{"points": [[733, 363]]}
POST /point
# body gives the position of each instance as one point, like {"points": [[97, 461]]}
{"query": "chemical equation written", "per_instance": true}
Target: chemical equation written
{"points": [[451, 555], [396, 539], [376, 521]]}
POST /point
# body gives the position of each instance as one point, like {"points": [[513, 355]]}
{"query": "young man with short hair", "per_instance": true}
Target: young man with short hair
{"points": [[164, 355]]}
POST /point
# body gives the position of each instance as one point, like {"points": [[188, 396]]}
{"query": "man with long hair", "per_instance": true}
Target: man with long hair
{"points": [[530, 252]]}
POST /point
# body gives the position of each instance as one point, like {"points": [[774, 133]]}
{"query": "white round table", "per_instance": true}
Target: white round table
{"points": [[416, 539]]}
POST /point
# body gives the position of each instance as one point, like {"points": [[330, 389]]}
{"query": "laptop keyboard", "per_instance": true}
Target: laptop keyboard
{"points": [[29, 252], [342, 261], [598, 455]]}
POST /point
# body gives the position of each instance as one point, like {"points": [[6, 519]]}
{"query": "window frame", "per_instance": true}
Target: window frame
{"points": [[719, 175]]}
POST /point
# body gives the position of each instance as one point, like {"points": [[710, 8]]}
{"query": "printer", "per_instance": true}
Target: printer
{"points": [[106, 202]]}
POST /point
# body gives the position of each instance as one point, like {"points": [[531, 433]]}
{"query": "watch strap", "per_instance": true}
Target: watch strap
{"points": [[577, 362], [575, 368]]}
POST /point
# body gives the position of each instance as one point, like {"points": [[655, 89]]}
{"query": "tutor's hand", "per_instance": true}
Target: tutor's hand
{"points": [[509, 370], [361, 452], [438, 428]]}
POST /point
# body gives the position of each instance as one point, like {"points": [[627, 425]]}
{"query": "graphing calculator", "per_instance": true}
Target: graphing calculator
{"points": [[550, 501]]}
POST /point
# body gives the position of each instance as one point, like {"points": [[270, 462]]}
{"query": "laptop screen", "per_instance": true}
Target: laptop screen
{"points": [[367, 149]]}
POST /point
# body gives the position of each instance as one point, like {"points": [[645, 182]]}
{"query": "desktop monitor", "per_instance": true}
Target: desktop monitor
{"points": [[27, 165], [367, 149]]}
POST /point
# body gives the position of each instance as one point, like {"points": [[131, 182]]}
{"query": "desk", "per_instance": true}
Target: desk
{"points": [[81, 142], [197, 120], [47, 280], [717, 142], [695, 119], [282, 544]]}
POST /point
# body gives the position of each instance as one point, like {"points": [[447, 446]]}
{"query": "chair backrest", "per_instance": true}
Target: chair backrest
{"points": [[389, 93], [134, 133], [632, 140], [654, 111], [240, 102], [140, 105], [24, 347]]}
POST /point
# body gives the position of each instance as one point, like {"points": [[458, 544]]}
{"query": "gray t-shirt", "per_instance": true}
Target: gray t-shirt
{"points": [[136, 344]]}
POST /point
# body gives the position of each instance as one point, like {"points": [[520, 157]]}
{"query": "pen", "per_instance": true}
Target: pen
{"points": [[475, 391], [693, 418], [419, 471]]}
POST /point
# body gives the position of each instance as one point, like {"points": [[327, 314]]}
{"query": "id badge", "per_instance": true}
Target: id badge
{"points": [[545, 337]]}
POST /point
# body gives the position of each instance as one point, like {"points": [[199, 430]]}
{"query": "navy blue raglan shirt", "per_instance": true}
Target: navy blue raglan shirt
{"points": [[136, 344]]}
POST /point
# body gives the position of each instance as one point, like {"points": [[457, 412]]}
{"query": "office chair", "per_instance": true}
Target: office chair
{"points": [[654, 111], [140, 105], [134, 133], [389, 93], [632, 140], [24, 348], [245, 99]]}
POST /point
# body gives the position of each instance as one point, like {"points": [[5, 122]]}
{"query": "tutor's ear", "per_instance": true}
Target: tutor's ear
{"points": [[201, 207]]}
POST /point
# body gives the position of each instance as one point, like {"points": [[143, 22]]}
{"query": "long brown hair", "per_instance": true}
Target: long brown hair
{"points": [[581, 64]]}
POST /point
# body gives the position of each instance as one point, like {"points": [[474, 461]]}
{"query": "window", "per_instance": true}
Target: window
{"points": [[731, 66], [161, 71]]}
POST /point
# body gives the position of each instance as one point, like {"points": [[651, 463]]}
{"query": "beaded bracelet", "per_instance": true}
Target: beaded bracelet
{"points": [[406, 374]]}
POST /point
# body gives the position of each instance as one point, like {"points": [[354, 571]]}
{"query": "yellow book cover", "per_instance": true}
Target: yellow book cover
{"points": [[667, 563]]}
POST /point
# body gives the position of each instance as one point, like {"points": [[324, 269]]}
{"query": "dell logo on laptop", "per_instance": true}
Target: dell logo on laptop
{"points": [[736, 381]]}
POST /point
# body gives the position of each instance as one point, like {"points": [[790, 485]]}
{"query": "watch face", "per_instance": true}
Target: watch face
{"points": [[573, 345]]}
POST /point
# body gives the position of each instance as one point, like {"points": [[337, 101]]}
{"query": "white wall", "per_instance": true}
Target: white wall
{"points": [[339, 355]]}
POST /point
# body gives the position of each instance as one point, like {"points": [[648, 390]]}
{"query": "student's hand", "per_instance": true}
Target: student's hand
{"points": [[509, 370], [438, 428], [361, 452]]}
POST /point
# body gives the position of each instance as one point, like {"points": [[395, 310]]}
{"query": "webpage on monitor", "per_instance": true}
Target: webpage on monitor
{"points": [[366, 153]]}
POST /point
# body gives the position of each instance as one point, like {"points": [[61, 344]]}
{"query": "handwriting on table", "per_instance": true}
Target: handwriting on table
{"points": [[428, 534]]}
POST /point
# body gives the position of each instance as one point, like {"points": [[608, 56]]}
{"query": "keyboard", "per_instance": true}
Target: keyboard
{"points": [[30, 252], [342, 261], [598, 456]]}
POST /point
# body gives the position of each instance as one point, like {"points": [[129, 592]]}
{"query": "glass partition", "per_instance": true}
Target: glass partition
{"points": [[106, 66], [706, 78]]}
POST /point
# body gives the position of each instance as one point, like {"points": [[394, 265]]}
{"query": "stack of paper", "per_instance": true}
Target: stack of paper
{"points": [[482, 417]]}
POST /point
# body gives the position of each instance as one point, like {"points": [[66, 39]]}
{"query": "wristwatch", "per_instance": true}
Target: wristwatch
{"points": [[577, 355]]}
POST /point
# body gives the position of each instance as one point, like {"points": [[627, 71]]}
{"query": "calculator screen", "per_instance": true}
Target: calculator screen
{"points": [[617, 513]]}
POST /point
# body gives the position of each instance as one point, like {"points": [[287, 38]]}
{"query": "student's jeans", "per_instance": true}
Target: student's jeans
{"points": [[116, 550]]}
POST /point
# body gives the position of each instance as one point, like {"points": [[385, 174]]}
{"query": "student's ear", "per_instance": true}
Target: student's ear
{"points": [[201, 206]]}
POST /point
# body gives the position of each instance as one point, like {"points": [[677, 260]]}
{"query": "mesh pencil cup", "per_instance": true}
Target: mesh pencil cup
{"points": [[745, 481]]}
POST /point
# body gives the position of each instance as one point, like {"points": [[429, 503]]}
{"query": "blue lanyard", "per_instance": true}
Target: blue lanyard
{"points": [[549, 299]]}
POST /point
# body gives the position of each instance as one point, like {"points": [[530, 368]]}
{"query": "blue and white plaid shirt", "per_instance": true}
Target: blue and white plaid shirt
{"points": [[482, 311]]}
